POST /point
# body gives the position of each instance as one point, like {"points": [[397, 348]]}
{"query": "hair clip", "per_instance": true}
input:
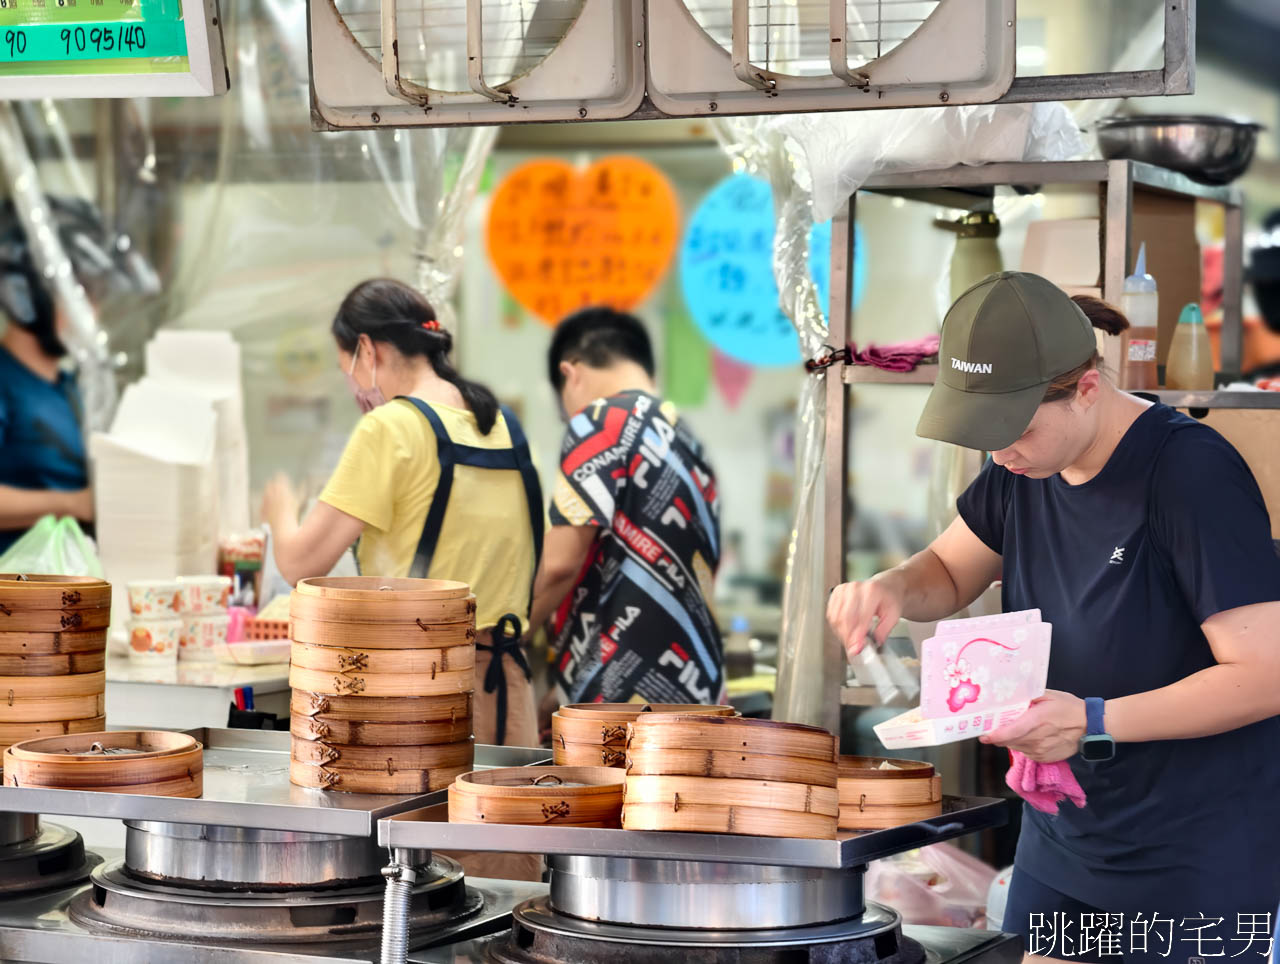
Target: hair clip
{"points": [[431, 325]]}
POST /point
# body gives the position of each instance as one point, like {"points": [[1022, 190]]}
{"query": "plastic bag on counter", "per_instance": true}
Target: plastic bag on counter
{"points": [[53, 546], [938, 884], [842, 150]]}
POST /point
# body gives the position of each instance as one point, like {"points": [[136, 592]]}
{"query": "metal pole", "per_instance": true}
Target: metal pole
{"points": [[1232, 344], [836, 480]]}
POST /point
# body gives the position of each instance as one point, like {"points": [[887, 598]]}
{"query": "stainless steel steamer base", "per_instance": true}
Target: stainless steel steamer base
{"points": [[701, 895]]}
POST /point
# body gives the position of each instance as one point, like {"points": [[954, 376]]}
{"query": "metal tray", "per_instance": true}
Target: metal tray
{"points": [[246, 784], [429, 829]]}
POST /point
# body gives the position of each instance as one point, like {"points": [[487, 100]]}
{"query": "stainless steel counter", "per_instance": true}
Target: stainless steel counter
{"points": [[428, 829], [246, 784]]}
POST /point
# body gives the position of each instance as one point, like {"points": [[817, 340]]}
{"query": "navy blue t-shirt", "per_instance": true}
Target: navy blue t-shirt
{"points": [[41, 445], [1126, 567]]}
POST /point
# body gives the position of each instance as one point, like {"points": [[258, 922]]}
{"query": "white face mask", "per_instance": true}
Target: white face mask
{"points": [[366, 398]]}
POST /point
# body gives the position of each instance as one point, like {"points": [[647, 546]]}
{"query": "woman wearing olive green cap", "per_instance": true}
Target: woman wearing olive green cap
{"points": [[1141, 536]]}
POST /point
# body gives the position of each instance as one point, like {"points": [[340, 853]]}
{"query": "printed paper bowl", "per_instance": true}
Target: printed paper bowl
{"points": [[154, 640], [155, 599]]}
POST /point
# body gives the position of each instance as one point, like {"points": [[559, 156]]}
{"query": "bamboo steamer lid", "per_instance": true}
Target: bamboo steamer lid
{"points": [[46, 709], [875, 797], [382, 684], [752, 821], [63, 665], [678, 792], [388, 759], [730, 765], [661, 731], [27, 592], [372, 781], [361, 733], [605, 724], [378, 608], [375, 709], [333, 659], [362, 588], [405, 635], [626, 712], [163, 763], [54, 643], [566, 796]]}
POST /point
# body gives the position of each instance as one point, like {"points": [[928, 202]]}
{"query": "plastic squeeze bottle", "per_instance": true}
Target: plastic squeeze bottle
{"points": [[1190, 363], [1140, 304]]}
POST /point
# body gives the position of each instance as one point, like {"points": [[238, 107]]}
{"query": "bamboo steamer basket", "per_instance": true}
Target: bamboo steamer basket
{"points": [[372, 781], [332, 659], [595, 734], [128, 761], [52, 592], [53, 620], [563, 796], [374, 709], [52, 687], [63, 665], [11, 733], [382, 684], [680, 792], [53, 644], [380, 608], [872, 798], [388, 759], [752, 821], [359, 733], [46, 710], [407, 635]]}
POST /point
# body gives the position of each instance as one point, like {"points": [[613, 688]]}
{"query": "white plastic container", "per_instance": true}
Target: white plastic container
{"points": [[1140, 303], [203, 637], [205, 594]]}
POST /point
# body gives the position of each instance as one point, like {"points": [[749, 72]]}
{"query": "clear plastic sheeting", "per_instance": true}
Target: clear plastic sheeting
{"points": [[841, 151], [763, 151], [259, 225], [85, 340]]}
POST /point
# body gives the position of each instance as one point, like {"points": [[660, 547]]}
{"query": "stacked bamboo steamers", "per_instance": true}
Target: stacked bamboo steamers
{"points": [[53, 638], [382, 672]]}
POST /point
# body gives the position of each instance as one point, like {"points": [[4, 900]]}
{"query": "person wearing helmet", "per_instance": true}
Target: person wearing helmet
{"points": [[1142, 537], [43, 470]]}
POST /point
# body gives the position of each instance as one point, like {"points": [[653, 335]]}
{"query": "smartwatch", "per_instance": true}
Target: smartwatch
{"points": [[1097, 744]]}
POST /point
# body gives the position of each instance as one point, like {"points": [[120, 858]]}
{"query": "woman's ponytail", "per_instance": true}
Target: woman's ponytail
{"points": [[390, 311], [1104, 317]]}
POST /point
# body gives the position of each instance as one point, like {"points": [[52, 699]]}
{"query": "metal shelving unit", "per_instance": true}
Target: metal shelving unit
{"points": [[973, 188]]}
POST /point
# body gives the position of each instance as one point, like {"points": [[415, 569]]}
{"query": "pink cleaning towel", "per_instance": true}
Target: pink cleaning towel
{"points": [[902, 357], [1043, 785]]}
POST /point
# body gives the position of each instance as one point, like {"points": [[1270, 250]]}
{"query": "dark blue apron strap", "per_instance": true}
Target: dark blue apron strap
{"points": [[532, 489], [440, 501], [506, 642]]}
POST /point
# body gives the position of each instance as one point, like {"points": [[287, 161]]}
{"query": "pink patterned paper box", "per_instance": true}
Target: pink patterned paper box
{"points": [[975, 675]]}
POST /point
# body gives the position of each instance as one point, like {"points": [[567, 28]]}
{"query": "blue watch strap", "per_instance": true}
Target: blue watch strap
{"points": [[1093, 707]]}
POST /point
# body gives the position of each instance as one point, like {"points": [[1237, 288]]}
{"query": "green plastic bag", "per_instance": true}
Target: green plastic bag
{"points": [[53, 546]]}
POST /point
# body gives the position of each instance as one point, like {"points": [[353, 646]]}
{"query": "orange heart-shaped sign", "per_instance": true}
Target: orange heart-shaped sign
{"points": [[562, 238]]}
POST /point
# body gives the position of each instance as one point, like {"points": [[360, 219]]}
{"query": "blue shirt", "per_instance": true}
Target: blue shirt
{"points": [[1126, 567], [41, 444]]}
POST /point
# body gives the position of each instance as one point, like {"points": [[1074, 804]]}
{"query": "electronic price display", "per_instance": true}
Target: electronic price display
{"points": [[111, 48]]}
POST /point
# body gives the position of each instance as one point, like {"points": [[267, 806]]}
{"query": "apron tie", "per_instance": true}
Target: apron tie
{"points": [[506, 642]]}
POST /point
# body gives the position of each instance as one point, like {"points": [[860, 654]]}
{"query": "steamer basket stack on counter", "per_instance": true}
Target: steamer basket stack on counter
{"points": [[382, 672], [53, 639], [877, 793], [730, 775], [595, 734]]}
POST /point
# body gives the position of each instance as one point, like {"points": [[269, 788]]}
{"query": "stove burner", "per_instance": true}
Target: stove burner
{"points": [[540, 935], [35, 858], [120, 904]]}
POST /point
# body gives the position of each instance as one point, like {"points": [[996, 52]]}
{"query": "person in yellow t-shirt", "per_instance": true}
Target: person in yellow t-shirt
{"points": [[435, 482]]}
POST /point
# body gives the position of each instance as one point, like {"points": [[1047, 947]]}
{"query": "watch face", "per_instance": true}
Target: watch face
{"points": [[1097, 748]]}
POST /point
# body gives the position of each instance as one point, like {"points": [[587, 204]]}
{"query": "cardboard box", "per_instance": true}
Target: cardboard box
{"points": [[1256, 435]]}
